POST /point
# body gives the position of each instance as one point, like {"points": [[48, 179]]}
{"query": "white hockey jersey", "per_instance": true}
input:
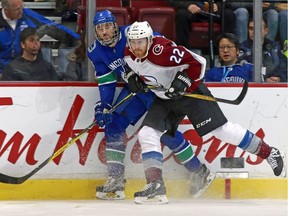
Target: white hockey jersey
{"points": [[162, 63]]}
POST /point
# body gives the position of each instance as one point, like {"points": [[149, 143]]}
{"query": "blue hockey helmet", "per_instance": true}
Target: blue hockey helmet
{"points": [[104, 16]]}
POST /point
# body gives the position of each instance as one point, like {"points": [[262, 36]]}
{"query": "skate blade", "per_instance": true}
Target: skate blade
{"points": [[210, 179], [157, 200], [118, 195]]}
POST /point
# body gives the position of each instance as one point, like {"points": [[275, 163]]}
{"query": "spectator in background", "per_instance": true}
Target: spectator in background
{"points": [[230, 70], [29, 66], [244, 10], [188, 12], [14, 18], [282, 9], [272, 55], [77, 66]]}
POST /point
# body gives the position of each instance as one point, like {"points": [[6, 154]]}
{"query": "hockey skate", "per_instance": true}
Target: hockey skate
{"points": [[113, 189], [276, 160], [152, 193], [200, 181]]}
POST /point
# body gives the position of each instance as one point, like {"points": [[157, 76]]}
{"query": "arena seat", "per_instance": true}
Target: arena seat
{"points": [[199, 36], [108, 3], [115, 6], [158, 13], [121, 14]]}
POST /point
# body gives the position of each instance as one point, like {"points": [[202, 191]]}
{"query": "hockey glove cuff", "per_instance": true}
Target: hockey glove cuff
{"points": [[102, 115], [178, 86]]}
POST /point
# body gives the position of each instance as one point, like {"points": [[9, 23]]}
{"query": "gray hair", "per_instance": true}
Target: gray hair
{"points": [[5, 3]]}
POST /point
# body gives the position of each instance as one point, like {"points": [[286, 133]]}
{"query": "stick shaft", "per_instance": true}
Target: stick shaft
{"points": [[237, 101]]}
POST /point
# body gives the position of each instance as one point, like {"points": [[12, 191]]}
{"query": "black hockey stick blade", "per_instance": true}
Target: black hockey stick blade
{"points": [[239, 99], [19, 180]]}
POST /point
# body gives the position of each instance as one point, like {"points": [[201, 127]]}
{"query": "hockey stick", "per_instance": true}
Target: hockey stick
{"points": [[237, 101], [18, 180]]}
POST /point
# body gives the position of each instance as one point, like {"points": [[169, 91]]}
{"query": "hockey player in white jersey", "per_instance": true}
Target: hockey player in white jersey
{"points": [[106, 54], [160, 62]]}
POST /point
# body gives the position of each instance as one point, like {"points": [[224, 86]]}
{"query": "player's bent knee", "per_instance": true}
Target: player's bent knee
{"points": [[230, 133], [149, 139], [172, 142]]}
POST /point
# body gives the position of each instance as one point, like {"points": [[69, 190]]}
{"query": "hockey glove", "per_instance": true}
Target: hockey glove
{"points": [[178, 86], [135, 83], [102, 115]]}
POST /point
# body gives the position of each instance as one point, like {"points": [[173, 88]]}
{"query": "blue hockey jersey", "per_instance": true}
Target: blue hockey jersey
{"points": [[108, 63], [232, 73]]}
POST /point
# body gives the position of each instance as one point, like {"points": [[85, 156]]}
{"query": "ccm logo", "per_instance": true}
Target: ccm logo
{"points": [[203, 123]]}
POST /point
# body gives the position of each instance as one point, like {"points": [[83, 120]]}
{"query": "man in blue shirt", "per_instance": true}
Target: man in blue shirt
{"points": [[231, 70], [14, 18]]}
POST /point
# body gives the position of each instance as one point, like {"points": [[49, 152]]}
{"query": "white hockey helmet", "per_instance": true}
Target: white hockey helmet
{"points": [[139, 30]]}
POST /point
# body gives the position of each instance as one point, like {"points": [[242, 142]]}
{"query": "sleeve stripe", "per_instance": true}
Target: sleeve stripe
{"points": [[107, 78]]}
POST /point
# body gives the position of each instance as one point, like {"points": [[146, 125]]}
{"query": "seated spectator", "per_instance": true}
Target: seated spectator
{"points": [[29, 66], [188, 12], [244, 10], [77, 66], [284, 60], [230, 70], [282, 9], [272, 54], [14, 18]]}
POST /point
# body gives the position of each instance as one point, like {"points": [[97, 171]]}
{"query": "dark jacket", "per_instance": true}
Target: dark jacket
{"points": [[10, 39], [20, 69], [272, 57]]}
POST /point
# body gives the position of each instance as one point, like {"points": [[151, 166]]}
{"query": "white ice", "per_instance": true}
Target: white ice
{"points": [[175, 207]]}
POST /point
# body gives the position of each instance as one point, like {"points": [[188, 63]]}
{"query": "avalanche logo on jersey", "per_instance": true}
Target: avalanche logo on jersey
{"points": [[151, 80], [157, 49]]}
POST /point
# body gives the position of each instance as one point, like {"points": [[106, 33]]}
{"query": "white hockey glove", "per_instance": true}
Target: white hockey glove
{"points": [[179, 85]]}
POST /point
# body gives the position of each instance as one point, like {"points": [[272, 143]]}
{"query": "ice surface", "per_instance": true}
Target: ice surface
{"points": [[175, 207]]}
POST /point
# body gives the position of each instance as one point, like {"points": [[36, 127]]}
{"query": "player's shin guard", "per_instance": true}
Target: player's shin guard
{"points": [[200, 178], [248, 141], [182, 150], [255, 145], [115, 148], [114, 187], [154, 192]]}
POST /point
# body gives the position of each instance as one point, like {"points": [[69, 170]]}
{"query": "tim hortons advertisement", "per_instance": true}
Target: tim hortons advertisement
{"points": [[36, 121]]}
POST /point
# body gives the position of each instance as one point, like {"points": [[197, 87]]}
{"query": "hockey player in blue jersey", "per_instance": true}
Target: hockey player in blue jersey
{"points": [[106, 54]]}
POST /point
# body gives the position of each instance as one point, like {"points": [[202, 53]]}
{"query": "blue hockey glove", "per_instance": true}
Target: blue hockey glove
{"points": [[178, 86], [102, 115]]}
